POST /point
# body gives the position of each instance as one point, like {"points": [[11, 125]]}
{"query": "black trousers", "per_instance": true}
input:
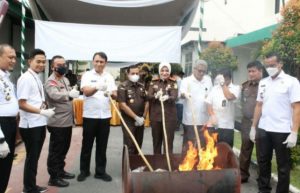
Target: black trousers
{"points": [[138, 133], [33, 139], [158, 136], [246, 149], [99, 129], [8, 127], [225, 135], [267, 141], [60, 140]]}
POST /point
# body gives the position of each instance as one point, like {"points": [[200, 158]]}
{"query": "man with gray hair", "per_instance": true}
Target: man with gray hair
{"points": [[194, 89]]}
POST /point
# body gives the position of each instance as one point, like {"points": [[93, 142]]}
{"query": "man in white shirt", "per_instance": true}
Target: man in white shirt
{"points": [[96, 85], [194, 89], [8, 112], [221, 105], [33, 117], [277, 113]]}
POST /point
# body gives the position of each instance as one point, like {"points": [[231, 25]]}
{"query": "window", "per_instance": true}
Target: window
{"points": [[188, 63]]}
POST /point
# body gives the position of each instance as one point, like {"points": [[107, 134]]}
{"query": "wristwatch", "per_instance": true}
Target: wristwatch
{"points": [[2, 140]]}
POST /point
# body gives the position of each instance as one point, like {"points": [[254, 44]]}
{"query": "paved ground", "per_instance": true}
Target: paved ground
{"points": [[92, 185]]}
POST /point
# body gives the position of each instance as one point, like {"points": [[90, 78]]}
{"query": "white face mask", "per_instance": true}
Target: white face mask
{"points": [[134, 78], [272, 71]]}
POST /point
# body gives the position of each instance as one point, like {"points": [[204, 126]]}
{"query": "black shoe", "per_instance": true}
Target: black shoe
{"points": [[67, 175], [82, 176], [104, 177], [39, 189], [58, 182], [245, 180]]}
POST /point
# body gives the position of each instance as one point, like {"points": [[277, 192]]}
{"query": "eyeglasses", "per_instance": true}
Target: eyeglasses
{"points": [[201, 71]]}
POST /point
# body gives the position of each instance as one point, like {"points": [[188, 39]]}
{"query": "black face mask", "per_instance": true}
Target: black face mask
{"points": [[61, 70]]}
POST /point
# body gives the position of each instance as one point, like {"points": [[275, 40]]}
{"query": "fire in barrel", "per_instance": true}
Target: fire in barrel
{"points": [[214, 171]]}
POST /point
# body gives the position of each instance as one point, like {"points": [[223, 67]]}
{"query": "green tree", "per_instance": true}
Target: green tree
{"points": [[217, 57], [286, 39]]}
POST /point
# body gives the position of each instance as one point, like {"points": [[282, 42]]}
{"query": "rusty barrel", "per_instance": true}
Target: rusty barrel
{"points": [[224, 180]]}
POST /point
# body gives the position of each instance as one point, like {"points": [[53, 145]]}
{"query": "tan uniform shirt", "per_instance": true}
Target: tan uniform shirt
{"points": [[57, 95], [249, 94], [134, 95], [168, 87]]}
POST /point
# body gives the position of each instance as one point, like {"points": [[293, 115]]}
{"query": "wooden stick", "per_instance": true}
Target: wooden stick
{"points": [[165, 134], [194, 122], [131, 135]]}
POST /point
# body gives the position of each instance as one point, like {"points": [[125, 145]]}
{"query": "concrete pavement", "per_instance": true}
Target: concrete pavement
{"points": [[92, 185]]}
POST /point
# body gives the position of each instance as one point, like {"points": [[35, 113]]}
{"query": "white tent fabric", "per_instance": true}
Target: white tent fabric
{"points": [[126, 3], [120, 43]]}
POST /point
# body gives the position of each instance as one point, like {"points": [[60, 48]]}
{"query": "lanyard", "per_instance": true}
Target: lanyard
{"points": [[39, 87]]}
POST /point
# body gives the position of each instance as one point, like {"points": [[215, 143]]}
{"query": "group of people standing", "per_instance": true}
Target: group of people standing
{"points": [[270, 109]]}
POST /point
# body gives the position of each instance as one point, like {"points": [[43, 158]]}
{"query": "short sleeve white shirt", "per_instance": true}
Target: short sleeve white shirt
{"points": [[223, 108], [97, 106], [199, 91], [30, 88], [277, 96], [8, 102]]}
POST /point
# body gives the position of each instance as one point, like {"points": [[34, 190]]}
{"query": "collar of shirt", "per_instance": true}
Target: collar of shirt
{"points": [[96, 73], [253, 83], [132, 84], [33, 73], [4, 74]]}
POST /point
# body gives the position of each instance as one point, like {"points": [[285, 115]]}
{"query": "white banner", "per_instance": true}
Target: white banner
{"points": [[120, 43]]}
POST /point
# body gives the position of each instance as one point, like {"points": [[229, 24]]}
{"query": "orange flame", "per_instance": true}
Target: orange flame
{"points": [[190, 159], [207, 155]]}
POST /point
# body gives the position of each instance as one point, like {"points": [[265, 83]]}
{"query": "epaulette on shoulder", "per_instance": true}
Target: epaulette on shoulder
{"points": [[244, 83], [173, 79], [155, 79]]}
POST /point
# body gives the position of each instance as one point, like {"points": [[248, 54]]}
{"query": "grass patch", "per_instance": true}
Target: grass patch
{"points": [[295, 172]]}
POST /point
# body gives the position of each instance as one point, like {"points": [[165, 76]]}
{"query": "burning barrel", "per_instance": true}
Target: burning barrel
{"points": [[226, 179]]}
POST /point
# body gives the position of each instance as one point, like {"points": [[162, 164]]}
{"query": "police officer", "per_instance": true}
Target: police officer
{"points": [[8, 111], [134, 108], [248, 100], [59, 94], [163, 89], [277, 113]]}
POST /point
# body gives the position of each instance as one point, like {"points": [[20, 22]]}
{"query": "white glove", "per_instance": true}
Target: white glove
{"points": [[164, 98], [47, 112], [158, 94], [4, 150], [291, 140], [212, 121], [219, 80], [74, 93], [139, 121], [252, 134], [101, 87], [187, 95], [107, 93]]}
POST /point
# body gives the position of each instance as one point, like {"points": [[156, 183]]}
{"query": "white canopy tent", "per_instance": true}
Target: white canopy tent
{"points": [[121, 43]]}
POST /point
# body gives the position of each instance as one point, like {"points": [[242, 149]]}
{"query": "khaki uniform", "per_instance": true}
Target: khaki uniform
{"points": [[248, 101], [169, 87], [134, 95], [59, 125], [57, 95]]}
